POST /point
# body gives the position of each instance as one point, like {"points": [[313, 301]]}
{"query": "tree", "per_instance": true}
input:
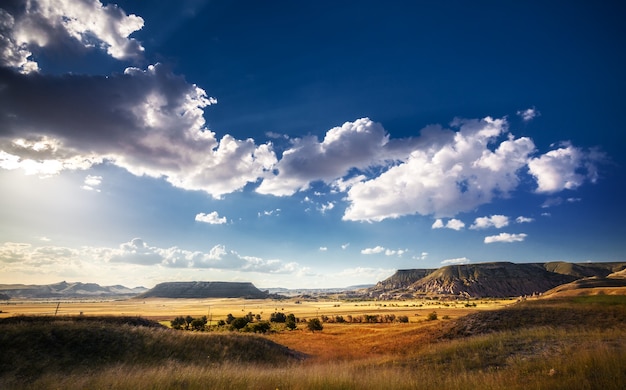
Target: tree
{"points": [[314, 324], [278, 317], [188, 320], [239, 323], [198, 323], [229, 318], [178, 322]]}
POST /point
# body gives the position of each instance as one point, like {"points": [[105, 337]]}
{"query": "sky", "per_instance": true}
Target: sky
{"points": [[307, 144]]}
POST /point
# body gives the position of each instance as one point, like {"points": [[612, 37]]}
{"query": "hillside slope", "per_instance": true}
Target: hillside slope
{"points": [[68, 290], [499, 279]]}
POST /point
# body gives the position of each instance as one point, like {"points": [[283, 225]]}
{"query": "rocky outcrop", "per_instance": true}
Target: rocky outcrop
{"points": [[501, 279], [204, 290], [491, 280], [403, 278]]}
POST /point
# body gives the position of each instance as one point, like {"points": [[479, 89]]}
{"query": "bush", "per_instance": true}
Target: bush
{"points": [[278, 317], [258, 327], [314, 324], [403, 319], [239, 323], [431, 316]]}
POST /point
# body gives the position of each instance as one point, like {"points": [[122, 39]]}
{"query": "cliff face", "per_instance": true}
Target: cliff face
{"points": [[403, 278], [204, 290], [489, 279]]}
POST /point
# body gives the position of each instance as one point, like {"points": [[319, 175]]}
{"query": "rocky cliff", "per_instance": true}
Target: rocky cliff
{"points": [[501, 279]]}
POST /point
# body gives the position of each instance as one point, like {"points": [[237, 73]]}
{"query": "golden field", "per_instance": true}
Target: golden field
{"points": [[216, 309], [575, 342]]}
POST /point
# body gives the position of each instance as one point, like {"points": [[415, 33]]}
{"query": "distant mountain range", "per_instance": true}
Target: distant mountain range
{"points": [[501, 279], [67, 290]]}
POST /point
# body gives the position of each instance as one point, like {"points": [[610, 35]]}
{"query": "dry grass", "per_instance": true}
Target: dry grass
{"points": [[218, 308], [562, 344]]}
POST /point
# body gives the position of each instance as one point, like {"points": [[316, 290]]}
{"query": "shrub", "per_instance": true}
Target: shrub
{"points": [[278, 317], [314, 324], [239, 323], [258, 327], [431, 316], [403, 319]]}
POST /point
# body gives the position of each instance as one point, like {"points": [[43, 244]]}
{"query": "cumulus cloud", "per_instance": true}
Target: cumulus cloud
{"points": [[92, 183], [522, 219], [212, 218], [505, 237], [454, 224], [354, 144], [323, 249], [395, 252], [138, 252], [567, 167], [528, 114], [380, 249], [497, 221], [372, 251], [153, 126], [41, 24], [456, 261], [469, 169], [151, 122]]}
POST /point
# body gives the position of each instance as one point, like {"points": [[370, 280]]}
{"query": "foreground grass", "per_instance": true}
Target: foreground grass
{"points": [[567, 344]]}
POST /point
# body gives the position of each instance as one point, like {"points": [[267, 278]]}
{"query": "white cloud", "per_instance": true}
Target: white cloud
{"points": [[323, 249], [212, 218], [497, 221], [454, 224], [528, 114], [522, 219], [372, 251], [457, 173], [326, 207], [421, 256], [459, 260], [92, 183], [354, 144], [345, 246], [380, 249], [395, 252], [47, 24], [269, 213], [342, 185], [138, 252], [505, 237], [567, 167], [158, 129]]}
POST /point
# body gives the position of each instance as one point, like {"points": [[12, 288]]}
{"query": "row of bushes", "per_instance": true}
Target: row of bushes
{"points": [[247, 323]]}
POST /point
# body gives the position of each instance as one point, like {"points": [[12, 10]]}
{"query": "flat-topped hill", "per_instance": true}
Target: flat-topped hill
{"points": [[204, 290]]}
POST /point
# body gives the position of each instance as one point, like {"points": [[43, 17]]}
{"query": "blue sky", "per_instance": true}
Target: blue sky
{"points": [[306, 144]]}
